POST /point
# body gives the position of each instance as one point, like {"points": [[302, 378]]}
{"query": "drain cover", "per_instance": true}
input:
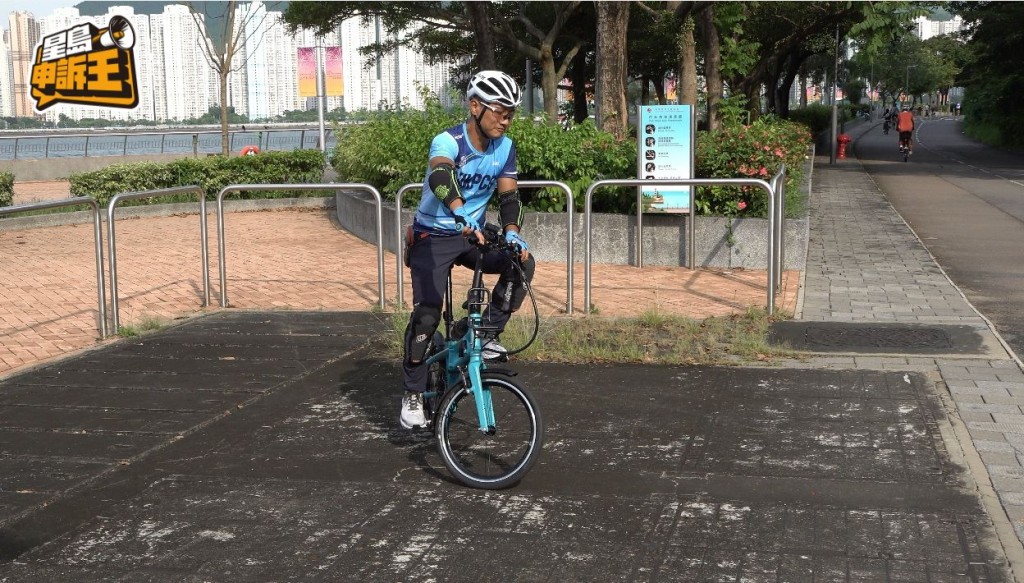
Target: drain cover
{"points": [[875, 337]]}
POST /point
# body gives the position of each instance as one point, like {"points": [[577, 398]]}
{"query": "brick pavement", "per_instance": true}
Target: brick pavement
{"points": [[40, 190], [288, 259]]}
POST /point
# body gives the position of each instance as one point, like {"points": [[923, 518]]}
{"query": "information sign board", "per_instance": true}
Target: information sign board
{"points": [[665, 144]]}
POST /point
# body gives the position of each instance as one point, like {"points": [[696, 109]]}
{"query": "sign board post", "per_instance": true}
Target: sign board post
{"points": [[666, 141]]}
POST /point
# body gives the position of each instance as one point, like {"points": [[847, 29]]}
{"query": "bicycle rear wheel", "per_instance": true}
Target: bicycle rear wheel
{"points": [[493, 459]]}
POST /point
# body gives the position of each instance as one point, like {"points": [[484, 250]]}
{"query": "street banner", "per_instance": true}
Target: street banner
{"points": [[307, 71], [332, 69], [665, 147]]}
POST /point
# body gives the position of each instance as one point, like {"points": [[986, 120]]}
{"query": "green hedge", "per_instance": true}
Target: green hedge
{"points": [[6, 189], [211, 173]]}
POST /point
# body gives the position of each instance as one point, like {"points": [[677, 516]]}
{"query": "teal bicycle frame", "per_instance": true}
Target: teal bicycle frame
{"points": [[464, 356]]}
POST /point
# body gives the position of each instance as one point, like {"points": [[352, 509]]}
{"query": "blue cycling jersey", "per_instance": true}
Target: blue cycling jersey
{"points": [[477, 172]]}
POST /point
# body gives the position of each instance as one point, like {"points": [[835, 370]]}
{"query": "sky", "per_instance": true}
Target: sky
{"points": [[39, 8]]}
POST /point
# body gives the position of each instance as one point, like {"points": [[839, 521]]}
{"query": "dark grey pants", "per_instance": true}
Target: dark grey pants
{"points": [[430, 258]]}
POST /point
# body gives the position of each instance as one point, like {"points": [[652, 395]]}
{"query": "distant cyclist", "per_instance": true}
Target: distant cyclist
{"points": [[905, 127], [468, 165]]}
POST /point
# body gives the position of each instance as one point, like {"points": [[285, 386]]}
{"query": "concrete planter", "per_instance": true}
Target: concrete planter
{"points": [[614, 236]]}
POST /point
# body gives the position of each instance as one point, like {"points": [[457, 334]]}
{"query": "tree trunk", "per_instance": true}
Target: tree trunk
{"points": [[578, 74], [480, 18], [712, 64], [785, 89], [549, 83], [224, 145], [659, 90], [687, 87], [612, 110]]}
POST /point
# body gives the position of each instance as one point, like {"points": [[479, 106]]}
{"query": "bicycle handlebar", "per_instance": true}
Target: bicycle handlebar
{"points": [[494, 239]]}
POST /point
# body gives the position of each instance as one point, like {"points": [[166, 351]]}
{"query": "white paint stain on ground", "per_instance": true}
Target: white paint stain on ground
{"points": [[217, 535]]}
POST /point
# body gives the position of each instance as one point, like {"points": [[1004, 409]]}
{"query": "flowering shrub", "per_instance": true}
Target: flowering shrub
{"points": [[754, 151]]}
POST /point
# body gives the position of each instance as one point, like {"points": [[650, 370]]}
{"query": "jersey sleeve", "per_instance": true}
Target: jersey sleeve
{"points": [[444, 145], [510, 170]]}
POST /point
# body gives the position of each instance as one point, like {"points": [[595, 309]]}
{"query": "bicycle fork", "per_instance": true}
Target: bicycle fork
{"points": [[482, 396]]}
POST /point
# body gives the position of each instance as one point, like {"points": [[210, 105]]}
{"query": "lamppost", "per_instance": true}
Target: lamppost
{"points": [[835, 107]]}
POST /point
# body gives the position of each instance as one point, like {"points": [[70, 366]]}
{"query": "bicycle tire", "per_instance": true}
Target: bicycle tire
{"points": [[490, 460]]}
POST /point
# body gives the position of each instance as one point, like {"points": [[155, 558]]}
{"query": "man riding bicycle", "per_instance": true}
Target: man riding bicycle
{"points": [[905, 127], [467, 164]]}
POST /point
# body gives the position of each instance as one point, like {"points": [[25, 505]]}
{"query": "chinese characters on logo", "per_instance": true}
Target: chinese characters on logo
{"points": [[88, 66]]}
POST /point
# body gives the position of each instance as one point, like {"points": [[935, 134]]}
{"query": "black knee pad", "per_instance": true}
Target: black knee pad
{"points": [[511, 288], [419, 332]]}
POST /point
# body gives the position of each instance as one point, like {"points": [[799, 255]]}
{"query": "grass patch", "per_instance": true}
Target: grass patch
{"points": [[653, 338], [146, 324]]}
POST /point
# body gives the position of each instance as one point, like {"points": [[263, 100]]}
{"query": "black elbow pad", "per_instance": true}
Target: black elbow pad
{"points": [[510, 208], [444, 185]]}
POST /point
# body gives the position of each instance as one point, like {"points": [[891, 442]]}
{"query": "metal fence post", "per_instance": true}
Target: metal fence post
{"points": [[97, 238], [221, 246], [569, 255], [682, 182], [112, 240]]}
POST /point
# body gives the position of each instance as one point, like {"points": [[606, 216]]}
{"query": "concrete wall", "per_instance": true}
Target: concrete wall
{"points": [[613, 237], [62, 168]]}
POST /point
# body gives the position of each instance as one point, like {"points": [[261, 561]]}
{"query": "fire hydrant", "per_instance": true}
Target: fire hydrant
{"points": [[842, 140]]}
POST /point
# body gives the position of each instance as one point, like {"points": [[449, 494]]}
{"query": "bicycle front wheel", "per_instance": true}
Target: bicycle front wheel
{"points": [[497, 458]]}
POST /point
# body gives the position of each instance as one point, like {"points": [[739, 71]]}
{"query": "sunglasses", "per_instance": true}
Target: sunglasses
{"points": [[503, 114]]}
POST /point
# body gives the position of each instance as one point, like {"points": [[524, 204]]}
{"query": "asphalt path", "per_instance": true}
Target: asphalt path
{"points": [[965, 201], [255, 446]]}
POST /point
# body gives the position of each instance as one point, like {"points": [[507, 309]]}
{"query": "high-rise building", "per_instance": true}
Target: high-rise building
{"points": [[393, 79], [927, 28], [24, 35], [190, 85], [176, 81], [266, 80], [6, 79]]}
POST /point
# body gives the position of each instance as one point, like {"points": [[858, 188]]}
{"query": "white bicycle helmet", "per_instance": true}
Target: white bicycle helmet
{"points": [[495, 87]]}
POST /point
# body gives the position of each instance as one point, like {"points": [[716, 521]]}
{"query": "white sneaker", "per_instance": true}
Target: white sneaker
{"points": [[412, 411], [492, 351]]}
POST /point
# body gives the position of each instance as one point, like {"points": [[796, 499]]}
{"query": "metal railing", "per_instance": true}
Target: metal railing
{"points": [[112, 239], [683, 182], [570, 206], [222, 256], [778, 183], [34, 147], [97, 236]]}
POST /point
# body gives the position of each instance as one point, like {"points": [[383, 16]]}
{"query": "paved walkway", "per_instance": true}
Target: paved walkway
{"points": [[865, 264]]}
